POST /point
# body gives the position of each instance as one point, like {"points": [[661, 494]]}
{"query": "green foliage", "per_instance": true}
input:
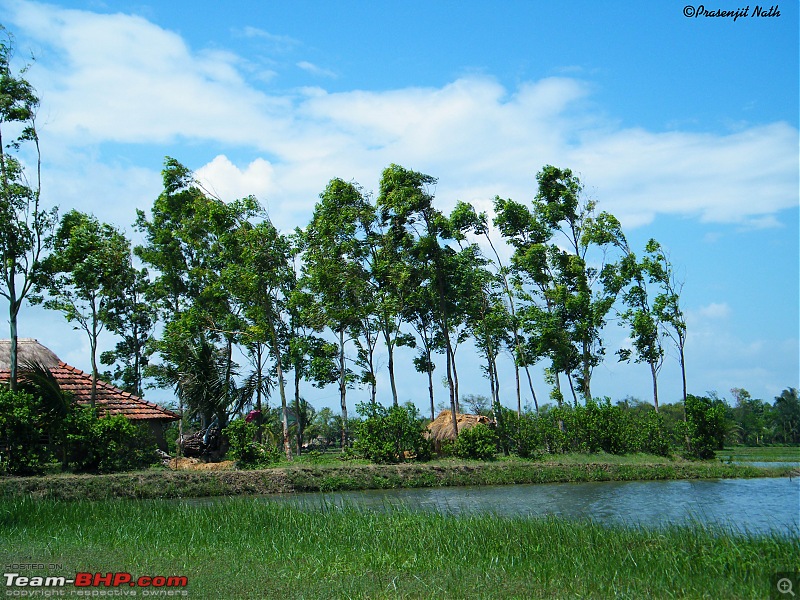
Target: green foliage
{"points": [[653, 434], [386, 435], [22, 451], [705, 426], [478, 442], [109, 444], [244, 447], [32, 434]]}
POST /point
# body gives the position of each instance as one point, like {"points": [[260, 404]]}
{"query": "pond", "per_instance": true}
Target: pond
{"points": [[752, 505]]}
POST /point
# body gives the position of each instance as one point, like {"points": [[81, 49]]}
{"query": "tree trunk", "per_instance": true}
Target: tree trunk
{"points": [[533, 393], [655, 385], [390, 347], [300, 430], [13, 309], [430, 388], [343, 388]]}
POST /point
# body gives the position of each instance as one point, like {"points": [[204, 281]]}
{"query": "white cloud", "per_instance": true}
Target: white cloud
{"points": [[715, 311], [315, 69], [116, 77]]}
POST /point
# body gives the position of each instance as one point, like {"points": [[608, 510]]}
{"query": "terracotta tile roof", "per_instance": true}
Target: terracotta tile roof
{"points": [[109, 399]]}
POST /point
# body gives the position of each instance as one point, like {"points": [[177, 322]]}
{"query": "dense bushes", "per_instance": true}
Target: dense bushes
{"points": [[389, 435], [245, 448], [35, 432], [478, 442], [107, 445]]}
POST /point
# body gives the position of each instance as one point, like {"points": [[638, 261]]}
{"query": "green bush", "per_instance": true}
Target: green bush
{"points": [[705, 427], [22, 449], [246, 450], [107, 445], [519, 434], [387, 435], [653, 435], [478, 442]]}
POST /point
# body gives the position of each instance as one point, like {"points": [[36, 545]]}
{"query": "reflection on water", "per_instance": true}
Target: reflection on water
{"points": [[754, 505]]}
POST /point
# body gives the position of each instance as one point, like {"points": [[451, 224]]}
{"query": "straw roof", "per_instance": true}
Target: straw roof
{"points": [[29, 351], [109, 399], [441, 428]]}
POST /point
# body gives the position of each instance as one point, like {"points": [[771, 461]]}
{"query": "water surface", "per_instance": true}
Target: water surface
{"points": [[754, 505]]}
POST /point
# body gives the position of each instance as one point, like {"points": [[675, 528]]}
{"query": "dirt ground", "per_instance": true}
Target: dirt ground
{"points": [[194, 464]]}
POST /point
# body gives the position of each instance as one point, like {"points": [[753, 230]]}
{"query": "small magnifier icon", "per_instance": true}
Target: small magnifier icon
{"points": [[785, 587]]}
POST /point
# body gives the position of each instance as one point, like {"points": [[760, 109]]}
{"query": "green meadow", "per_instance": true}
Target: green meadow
{"points": [[240, 548]]}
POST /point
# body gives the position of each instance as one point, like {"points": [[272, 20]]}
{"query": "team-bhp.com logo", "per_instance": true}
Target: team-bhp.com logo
{"points": [[153, 586]]}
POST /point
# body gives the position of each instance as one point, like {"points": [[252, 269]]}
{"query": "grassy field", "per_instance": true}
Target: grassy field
{"points": [[327, 474], [243, 549], [760, 453]]}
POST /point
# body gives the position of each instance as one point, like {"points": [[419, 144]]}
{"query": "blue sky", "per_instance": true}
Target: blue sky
{"points": [[684, 128]]}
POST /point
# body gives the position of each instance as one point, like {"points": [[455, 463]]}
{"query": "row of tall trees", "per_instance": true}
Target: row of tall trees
{"points": [[214, 281]]}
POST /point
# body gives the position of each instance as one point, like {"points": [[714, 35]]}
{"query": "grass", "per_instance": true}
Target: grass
{"points": [[261, 550], [760, 453], [340, 475]]}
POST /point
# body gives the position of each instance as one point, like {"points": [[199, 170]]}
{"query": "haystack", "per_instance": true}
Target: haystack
{"points": [[441, 428]]}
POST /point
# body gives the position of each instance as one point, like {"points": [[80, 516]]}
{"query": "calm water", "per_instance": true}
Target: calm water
{"points": [[755, 505]]}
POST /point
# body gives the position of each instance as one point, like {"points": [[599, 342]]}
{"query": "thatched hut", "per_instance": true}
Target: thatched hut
{"points": [[441, 428], [109, 399]]}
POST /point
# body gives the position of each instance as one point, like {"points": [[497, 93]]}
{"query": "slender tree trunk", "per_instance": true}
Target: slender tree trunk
{"points": [[13, 346], [287, 446], [558, 388], [343, 387], [391, 373], [655, 384], [300, 430], [430, 390], [93, 350], [519, 393], [455, 383], [533, 393], [259, 377], [572, 389]]}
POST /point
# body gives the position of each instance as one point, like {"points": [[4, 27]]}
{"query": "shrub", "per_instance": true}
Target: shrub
{"points": [[653, 437], [22, 451], [245, 449], [107, 445], [705, 426], [478, 442], [386, 435], [519, 434]]}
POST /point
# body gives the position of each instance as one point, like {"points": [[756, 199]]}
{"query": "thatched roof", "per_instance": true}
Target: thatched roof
{"points": [[29, 351], [441, 428], [109, 399]]}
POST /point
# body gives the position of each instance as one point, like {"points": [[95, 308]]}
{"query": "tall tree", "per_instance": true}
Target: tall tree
{"points": [[26, 229], [646, 330], [666, 305], [260, 277], [132, 317], [85, 274], [334, 270], [406, 203], [186, 244]]}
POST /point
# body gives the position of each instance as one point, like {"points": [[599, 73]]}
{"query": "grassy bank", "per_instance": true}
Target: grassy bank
{"points": [[311, 477], [244, 549], [760, 454]]}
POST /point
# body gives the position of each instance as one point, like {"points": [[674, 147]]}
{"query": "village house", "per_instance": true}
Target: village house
{"points": [[109, 400]]}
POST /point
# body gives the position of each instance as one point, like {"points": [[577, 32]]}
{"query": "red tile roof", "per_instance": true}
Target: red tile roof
{"points": [[109, 399]]}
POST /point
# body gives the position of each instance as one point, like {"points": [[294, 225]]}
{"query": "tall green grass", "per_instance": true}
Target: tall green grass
{"points": [[249, 549]]}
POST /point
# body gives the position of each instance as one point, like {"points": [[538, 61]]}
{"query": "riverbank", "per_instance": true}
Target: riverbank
{"points": [[269, 550], [153, 484]]}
